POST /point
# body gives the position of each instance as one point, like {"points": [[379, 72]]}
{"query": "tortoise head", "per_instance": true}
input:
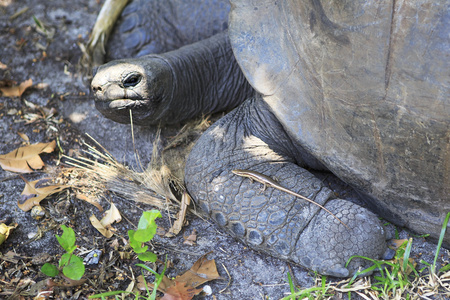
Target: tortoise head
{"points": [[142, 85]]}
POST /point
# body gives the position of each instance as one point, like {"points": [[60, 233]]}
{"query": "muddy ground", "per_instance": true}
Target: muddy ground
{"points": [[52, 60]]}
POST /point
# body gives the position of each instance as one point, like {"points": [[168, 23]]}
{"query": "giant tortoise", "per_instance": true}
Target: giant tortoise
{"points": [[359, 88]]}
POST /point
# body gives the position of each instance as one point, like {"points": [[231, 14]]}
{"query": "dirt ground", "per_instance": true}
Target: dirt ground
{"points": [[51, 61]]}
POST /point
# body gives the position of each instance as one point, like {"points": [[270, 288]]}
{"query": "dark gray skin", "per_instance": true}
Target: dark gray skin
{"points": [[157, 26], [168, 88], [272, 221], [330, 96]]}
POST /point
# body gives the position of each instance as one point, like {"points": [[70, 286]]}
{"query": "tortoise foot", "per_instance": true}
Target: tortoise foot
{"points": [[326, 245]]}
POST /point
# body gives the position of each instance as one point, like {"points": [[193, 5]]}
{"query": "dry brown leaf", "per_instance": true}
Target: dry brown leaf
{"points": [[141, 283], [191, 239], [32, 196], [180, 291], [5, 3], [165, 283], [24, 159], [97, 225], [104, 225], [2, 65], [397, 243], [90, 200], [5, 230], [24, 137], [111, 215], [16, 90], [202, 271], [178, 224]]}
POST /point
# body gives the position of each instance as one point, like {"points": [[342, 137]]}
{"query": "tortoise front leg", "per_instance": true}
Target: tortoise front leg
{"points": [[274, 221]]}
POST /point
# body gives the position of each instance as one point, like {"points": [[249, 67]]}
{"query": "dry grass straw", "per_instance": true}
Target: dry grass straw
{"points": [[424, 287], [190, 129], [94, 52], [425, 284], [156, 185]]}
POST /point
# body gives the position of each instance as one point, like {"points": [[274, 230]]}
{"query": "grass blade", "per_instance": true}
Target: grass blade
{"points": [[147, 268], [291, 284], [406, 255], [441, 239], [108, 294]]}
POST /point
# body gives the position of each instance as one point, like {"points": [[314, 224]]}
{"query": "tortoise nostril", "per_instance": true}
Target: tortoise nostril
{"points": [[96, 89]]}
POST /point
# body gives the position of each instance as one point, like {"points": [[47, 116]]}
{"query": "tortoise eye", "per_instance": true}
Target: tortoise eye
{"points": [[131, 80]]}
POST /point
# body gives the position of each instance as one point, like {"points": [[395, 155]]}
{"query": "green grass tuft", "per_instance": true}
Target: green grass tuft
{"points": [[395, 279]]}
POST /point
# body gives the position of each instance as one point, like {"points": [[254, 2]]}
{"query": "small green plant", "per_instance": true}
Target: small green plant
{"points": [[315, 292], [152, 296], [158, 279], [394, 277], [441, 239], [145, 233], [71, 265], [400, 269]]}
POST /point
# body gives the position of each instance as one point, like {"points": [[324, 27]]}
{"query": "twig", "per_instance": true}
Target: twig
{"points": [[229, 280]]}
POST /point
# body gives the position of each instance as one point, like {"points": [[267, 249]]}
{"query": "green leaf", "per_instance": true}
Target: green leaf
{"points": [[304, 293], [149, 269], [158, 278], [441, 239], [136, 245], [144, 235], [158, 281], [406, 255], [424, 262], [75, 268], [148, 217], [64, 260], [147, 256], [38, 23], [108, 294], [291, 283], [444, 268], [147, 226], [49, 270], [67, 239]]}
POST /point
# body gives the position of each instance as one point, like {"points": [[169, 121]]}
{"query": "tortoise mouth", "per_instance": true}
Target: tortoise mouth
{"points": [[117, 107], [119, 104], [119, 101]]}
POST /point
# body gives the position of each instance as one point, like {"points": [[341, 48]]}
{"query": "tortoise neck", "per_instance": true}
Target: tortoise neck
{"points": [[206, 79]]}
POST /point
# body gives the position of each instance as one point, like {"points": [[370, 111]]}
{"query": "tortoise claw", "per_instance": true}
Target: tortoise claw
{"points": [[337, 271]]}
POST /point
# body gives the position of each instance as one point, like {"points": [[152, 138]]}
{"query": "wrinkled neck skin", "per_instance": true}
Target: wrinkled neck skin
{"points": [[198, 79], [206, 79]]}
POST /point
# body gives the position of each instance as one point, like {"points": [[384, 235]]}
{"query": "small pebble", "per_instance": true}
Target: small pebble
{"points": [[93, 257], [389, 254], [37, 212], [207, 290]]}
